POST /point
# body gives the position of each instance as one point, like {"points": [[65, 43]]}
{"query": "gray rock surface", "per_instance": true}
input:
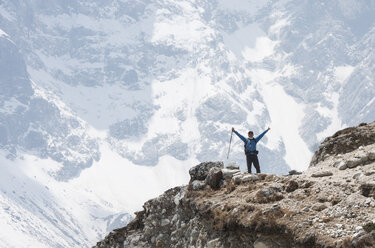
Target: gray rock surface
{"points": [[342, 165], [198, 185], [200, 172], [345, 141], [214, 177], [228, 173], [322, 174], [232, 166]]}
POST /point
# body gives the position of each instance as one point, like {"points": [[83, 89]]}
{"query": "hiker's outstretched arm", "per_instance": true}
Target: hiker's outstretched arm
{"points": [[261, 135], [240, 136]]}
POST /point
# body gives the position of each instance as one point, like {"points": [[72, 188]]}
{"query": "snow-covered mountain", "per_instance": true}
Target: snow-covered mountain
{"points": [[105, 104]]}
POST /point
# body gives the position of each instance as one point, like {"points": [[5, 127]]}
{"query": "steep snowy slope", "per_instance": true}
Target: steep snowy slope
{"points": [[44, 145], [37, 122]]}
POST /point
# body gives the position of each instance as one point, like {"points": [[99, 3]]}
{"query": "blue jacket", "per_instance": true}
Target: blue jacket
{"points": [[251, 144]]}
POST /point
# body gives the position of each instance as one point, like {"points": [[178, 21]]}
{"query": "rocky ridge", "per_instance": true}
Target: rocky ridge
{"points": [[332, 204]]}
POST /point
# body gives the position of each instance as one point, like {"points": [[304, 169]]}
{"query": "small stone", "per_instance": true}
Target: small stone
{"points": [[336, 163], [319, 207], [358, 228], [370, 172], [215, 175], [358, 175], [322, 174], [239, 173], [213, 243], [267, 192], [294, 172], [198, 185], [164, 222], [368, 189], [338, 226], [326, 219], [200, 171], [237, 179], [228, 173], [353, 162], [262, 243], [371, 154], [342, 165], [232, 166], [305, 209], [362, 157], [292, 186], [360, 233], [250, 177], [159, 244]]}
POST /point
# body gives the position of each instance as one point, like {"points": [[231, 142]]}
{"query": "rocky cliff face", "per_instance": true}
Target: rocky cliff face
{"points": [[332, 204]]}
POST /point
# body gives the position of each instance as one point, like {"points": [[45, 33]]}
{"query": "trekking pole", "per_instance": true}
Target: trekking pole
{"points": [[230, 141]]}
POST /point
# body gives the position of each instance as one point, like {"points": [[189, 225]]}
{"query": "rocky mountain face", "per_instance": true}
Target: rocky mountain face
{"points": [[345, 141], [332, 204], [97, 97], [33, 120], [117, 66]]}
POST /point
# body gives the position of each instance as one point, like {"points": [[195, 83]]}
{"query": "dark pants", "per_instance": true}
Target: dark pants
{"points": [[252, 159]]}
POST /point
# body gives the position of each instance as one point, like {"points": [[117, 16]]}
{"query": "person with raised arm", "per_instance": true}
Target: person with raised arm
{"points": [[251, 148]]}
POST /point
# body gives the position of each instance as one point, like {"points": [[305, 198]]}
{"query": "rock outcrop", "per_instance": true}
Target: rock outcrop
{"points": [[345, 141], [325, 206]]}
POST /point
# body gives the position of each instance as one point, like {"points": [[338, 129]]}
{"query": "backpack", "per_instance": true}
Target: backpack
{"points": [[248, 152]]}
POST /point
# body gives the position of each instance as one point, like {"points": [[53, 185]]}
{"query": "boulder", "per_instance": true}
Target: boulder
{"points": [[368, 189], [292, 186], [319, 206], [267, 191], [197, 185], [164, 222], [342, 165], [249, 177], [345, 141], [269, 194], [232, 166], [294, 172], [369, 173], [363, 157], [237, 178], [322, 174], [353, 162], [214, 243], [371, 154], [214, 177], [358, 175], [259, 243], [239, 173], [200, 171], [228, 173]]}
